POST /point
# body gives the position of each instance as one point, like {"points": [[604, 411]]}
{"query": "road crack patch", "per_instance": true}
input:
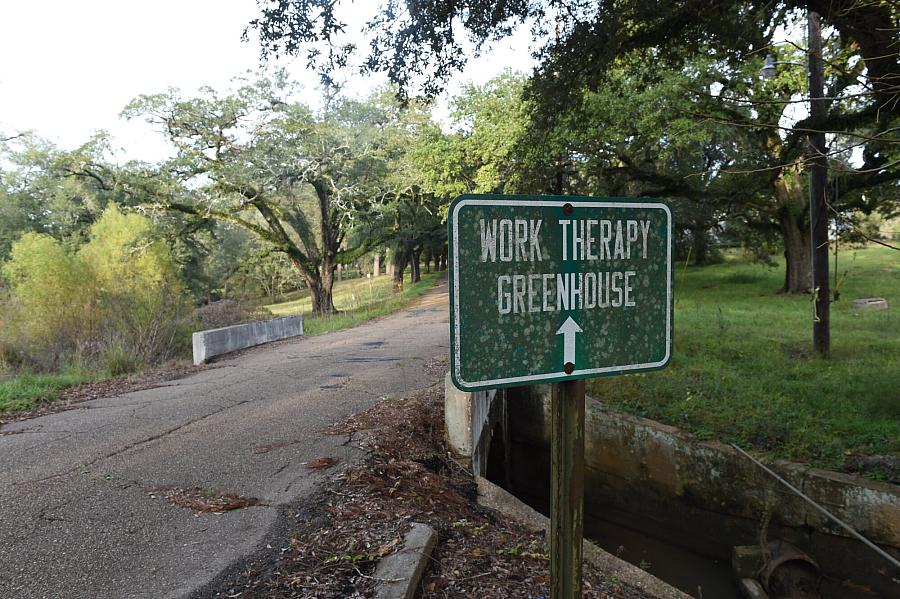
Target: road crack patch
{"points": [[85, 468]]}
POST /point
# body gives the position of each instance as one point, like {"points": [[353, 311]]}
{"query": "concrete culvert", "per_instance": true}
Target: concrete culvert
{"points": [[790, 573]]}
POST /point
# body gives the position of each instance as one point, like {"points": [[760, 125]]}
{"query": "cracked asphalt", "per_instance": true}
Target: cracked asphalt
{"points": [[77, 518]]}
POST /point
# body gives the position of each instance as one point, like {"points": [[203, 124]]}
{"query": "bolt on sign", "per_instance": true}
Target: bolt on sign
{"points": [[554, 288]]}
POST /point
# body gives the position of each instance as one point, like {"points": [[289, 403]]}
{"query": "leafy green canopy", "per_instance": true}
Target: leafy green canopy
{"points": [[425, 42], [41, 189], [577, 42], [478, 154], [313, 186]]}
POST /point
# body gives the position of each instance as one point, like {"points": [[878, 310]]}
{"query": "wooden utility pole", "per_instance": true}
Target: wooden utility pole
{"points": [[818, 208]]}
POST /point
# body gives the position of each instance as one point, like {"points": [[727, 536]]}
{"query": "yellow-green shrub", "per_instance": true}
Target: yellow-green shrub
{"points": [[115, 299], [49, 300]]}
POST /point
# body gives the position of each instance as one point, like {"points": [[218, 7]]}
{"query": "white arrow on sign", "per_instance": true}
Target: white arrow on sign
{"points": [[568, 330]]}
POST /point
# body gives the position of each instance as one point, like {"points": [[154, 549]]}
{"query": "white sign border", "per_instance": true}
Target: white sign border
{"points": [[561, 375]]}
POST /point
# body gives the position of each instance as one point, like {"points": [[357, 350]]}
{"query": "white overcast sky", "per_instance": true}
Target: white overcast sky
{"points": [[68, 68]]}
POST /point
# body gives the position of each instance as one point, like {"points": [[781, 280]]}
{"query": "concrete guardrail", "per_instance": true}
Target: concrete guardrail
{"points": [[216, 342]]}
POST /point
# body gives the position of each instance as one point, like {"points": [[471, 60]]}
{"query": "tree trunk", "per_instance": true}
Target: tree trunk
{"points": [[376, 265], [414, 264], [795, 234], [398, 265], [700, 246], [390, 263], [798, 266], [321, 283], [427, 259]]}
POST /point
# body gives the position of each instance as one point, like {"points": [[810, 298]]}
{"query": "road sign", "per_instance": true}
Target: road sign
{"points": [[553, 288]]}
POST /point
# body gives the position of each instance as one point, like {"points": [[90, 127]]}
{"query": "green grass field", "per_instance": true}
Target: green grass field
{"points": [[358, 300], [742, 369]]}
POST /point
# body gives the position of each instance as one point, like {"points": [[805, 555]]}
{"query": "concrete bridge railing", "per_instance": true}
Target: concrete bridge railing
{"points": [[215, 342]]}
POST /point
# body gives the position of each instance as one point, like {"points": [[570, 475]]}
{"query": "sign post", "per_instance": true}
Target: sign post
{"points": [[558, 289], [566, 488]]}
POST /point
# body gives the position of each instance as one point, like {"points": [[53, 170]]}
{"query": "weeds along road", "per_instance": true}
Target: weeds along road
{"points": [[77, 516]]}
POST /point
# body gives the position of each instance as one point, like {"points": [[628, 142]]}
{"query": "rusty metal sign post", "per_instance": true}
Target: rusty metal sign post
{"points": [[558, 289]]}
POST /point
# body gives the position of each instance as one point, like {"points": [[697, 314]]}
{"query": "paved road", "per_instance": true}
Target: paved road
{"points": [[76, 518]]}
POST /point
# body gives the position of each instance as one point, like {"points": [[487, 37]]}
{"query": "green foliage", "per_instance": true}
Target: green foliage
{"points": [[117, 361], [479, 154], [50, 301], [26, 390], [53, 191], [123, 256], [742, 370], [116, 300], [422, 44], [262, 272], [649, 98], [302, 183], [16, 212]]}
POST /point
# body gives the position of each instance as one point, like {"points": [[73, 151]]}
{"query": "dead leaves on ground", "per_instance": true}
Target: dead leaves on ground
{"points": [[320, 463], [362, 515], [203, 500]]}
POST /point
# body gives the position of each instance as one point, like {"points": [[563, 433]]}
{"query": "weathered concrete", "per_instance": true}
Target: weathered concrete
{"points": [[710, 497], [747, 561], [76, 518], [471, 420], [215, 342], [751, 589], [870, 303], [494, 497], [399, 574]]}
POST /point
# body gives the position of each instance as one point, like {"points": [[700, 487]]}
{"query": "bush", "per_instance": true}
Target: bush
{"points": [[222, 313], [49, 302], [117, 361], [115, 302]]}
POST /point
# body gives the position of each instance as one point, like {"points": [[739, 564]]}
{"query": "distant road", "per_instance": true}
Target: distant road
{"points": [[77, 518]]}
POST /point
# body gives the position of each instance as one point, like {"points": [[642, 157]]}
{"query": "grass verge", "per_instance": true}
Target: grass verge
{"points": [[26, 391], [358, 300], [742, 369]]}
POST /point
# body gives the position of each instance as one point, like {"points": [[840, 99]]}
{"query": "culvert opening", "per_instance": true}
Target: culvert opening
{"points": [[497, 470], [668, 535]]}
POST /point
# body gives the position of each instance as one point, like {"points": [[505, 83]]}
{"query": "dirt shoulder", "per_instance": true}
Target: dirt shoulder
{"points": [[328, 547]]}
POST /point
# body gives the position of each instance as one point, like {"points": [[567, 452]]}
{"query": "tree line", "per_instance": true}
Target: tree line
{"points": [[661, 99], [628, 99]]}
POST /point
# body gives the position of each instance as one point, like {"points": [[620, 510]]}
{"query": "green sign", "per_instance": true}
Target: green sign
{"points": [[552, 288]]}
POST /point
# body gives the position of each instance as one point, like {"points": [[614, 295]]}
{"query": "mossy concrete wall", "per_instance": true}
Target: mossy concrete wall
{"points": [[706, 494]]}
